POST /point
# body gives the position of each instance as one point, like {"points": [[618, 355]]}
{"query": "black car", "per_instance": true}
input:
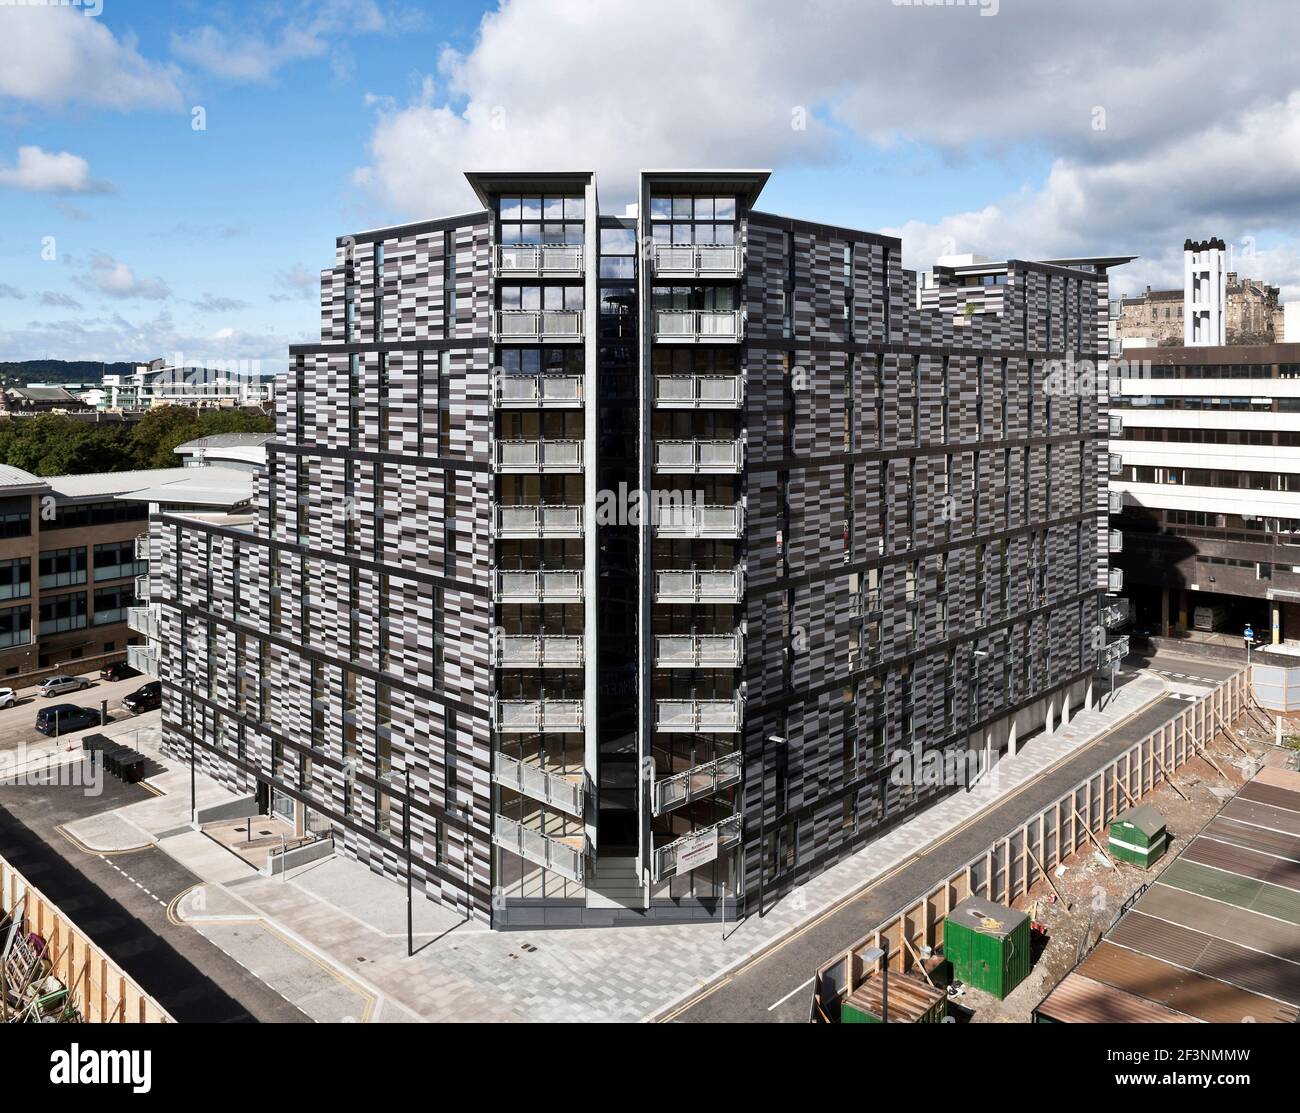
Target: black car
{"points": [[146, 698], [118, 670], [63, 718]]}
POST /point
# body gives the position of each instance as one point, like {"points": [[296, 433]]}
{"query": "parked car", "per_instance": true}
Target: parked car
{"points": [[8, 697], [64, 718], [145, 698], [118, 670], [62, 685]]}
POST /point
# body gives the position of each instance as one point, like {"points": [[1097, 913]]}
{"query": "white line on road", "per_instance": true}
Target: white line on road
{"points": [[787, 997]]}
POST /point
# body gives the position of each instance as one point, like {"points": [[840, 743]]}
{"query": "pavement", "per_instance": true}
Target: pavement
{"points": [[330, 937]]}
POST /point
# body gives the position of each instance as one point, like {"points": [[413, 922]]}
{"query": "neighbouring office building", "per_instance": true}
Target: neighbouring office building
{"points": [[1207, 443], [870, 537]]}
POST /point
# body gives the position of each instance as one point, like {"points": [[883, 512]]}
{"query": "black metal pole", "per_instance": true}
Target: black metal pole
{"points": [[406, 840], [762, 828], [194, 797]]}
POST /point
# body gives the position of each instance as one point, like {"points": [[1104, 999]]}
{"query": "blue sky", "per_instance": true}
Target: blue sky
{"points": [[970, 128]]}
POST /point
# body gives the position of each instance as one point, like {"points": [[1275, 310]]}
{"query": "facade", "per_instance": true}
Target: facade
{"points": [[1208, 446], [454, 636], [41, 399], [68, 566], [160, 384]]}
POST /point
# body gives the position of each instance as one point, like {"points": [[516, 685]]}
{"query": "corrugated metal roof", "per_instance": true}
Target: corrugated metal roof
{"points": [[1263, 815], [1271, 794], [1253, 971], [1182, 990], [1233, 888], [1222, 921], [1250, 837], [221, 488], [17, 478], [1080, 1000], [110, 484], [1236, 859], [225, 440], [1278, 778], [909, 998]]}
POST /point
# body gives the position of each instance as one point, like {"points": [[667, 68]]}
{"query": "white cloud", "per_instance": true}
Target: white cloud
{"points": [[109, 276], [7, 291], [55, 55], [52, 299], [296, 284], [313, 30], [39, 171], [213, 303]]}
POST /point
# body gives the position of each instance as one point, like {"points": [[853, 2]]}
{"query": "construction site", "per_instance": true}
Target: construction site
{"points": [[1166, 888]]}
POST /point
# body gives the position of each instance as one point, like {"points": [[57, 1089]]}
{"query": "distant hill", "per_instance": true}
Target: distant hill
{"points": [[61, 370]]}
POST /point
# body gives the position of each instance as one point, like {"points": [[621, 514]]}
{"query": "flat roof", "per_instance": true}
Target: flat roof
{"points": [[111, 484], [220, 488], [15, 480], [984, 916], [1078, 999], [1199, 354]]}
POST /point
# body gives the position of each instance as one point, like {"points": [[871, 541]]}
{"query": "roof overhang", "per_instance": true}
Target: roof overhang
{"points": [[745, 184], [487, 184]]}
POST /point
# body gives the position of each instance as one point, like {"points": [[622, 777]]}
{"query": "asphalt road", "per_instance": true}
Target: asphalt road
{"points": [[18, 723], [776, 985]]}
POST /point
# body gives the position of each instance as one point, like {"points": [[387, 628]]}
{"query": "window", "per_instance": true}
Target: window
{"points": [[15, 578], [16, 516], [60, 613], [111, 603], [93, 514], [15, 627], [693, 219], [63, 568], [116, 560], [551, 219]]}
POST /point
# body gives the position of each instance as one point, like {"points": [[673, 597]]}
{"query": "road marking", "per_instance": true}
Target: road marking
{"points": [[797, 989]]}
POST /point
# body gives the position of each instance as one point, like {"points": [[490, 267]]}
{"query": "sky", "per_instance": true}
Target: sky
{"points": [[173, 175]]}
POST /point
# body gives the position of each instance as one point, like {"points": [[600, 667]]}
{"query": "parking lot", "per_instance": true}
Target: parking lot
{"points": [[18, 723]]}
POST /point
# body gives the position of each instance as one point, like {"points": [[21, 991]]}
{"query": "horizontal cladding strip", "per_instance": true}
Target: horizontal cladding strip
{"points": [[813, 227], [336, 817], [809, 810], [362, 347], [908, 555], [311, 654], [401, 231], [952, 448], [902, 348], [938, 647], [442, 463], [464, 587]]}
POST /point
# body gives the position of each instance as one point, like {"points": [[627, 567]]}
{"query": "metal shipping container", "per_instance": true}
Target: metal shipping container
{"points": [[988, 945]]}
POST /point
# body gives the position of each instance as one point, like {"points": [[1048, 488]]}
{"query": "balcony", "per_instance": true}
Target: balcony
{"points": [[696, 849], [699, 457], [1115, 501], [699, 716], [698, 651], [539, 457], [727, 586], [142, 547], [541, 523], [1116, 425], [143, 658], [543, 651], [537, 260], [698, 326], [695, 783], [1115, 581], [1115, 543], [538, 716], [529, 326], [560, 790], [699, 392], [526, 392], [702, 260], [565, 855], [142, 587], [143, 620], [723, 523], [537, 587], [1115, 464], [1115, 612]]}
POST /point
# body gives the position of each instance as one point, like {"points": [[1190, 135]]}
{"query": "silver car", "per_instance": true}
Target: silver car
{"points": [[8, 697], [62, 685]]}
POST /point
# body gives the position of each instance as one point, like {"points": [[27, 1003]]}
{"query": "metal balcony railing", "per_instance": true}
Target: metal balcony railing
{"points": [[142, 547], [726, 586], [1115, 580], [695, 783], [1116, 541], [1116, 425], [537, 587], [538, 716], [701, 260], [533, 326], [697, 326], [723, 835], [143, 658], [1115, 501], [560, 790], [565, 855], [529, 391], [707, 716], [559, 260], [698, 651], [704, 522], [699, 457], [1115, 612], [699, 392], [542, 651], [525, 457], [143, 620], [538, 522], [1115, 464], [142, 587]]}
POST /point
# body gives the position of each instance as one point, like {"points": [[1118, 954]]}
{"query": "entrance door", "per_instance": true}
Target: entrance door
{"points": [[282, 805]]}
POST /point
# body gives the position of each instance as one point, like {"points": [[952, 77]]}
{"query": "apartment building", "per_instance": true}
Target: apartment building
{"points": [[611, 568], [1207, 443]]}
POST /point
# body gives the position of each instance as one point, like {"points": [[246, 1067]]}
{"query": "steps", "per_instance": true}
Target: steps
{"points": [[615, 883]]}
